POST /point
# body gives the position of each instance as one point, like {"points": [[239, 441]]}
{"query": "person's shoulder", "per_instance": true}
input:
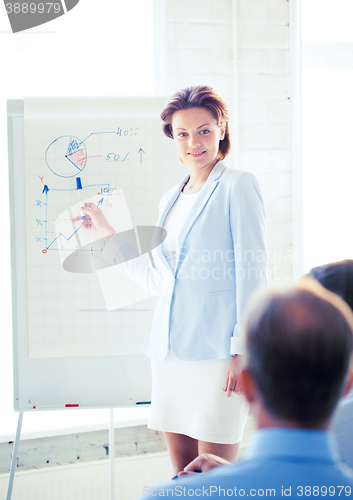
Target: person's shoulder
{"points": [[253, 477], [241, 185], [268, 473], [236, 176]]}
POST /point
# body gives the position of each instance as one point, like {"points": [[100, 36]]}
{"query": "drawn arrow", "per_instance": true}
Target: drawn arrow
{"points": [[140, 151], [45, 189]]}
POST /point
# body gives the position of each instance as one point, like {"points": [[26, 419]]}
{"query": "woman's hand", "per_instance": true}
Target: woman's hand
{"points": [[234, 382], [95, 220]]}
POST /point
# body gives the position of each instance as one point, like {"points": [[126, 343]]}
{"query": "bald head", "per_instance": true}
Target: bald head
{"points": [[299, 344]]}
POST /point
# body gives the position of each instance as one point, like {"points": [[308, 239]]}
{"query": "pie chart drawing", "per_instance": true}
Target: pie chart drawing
{"points": [[66, 156]]}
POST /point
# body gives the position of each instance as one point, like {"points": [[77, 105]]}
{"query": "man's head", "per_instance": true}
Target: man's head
{"points": [[336, 277], [299, 345]]}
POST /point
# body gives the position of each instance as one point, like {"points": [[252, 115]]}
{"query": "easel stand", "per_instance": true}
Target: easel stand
{"points": [[111, 455], [14, 455]]}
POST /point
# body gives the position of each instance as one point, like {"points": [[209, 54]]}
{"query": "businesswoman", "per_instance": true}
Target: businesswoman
{"points": [[203, 274]]}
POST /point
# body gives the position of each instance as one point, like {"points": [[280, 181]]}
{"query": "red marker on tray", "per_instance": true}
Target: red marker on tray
{"points": [[56, 407]]}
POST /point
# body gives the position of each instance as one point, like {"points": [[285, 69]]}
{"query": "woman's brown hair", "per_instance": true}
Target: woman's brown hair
{"points": [[200, 96]]}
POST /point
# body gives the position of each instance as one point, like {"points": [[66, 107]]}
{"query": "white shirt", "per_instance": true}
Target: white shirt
{"points": [[174, 223]]}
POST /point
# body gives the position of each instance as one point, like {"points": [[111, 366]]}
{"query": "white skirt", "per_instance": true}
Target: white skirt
{"points": [[188, 398]]}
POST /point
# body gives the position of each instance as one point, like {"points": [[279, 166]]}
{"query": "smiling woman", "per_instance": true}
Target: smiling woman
{"points": [[196, 143], [199, 301], [192, 380], [200, 102]]}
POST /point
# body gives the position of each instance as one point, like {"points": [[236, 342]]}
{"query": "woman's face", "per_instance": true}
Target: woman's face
{"points": [[197, 134]]}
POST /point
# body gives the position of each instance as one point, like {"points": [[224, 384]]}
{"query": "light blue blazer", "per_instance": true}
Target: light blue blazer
{"points": [[220, 260]]}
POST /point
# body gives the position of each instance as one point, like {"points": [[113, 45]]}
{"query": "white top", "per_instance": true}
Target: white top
{"points": [[174, 224]]}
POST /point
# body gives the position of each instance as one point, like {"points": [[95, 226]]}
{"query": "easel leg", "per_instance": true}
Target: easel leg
{"points": [[14, 455], [111, 454]]}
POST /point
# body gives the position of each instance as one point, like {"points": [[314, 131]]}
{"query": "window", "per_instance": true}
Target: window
{"points": [[98, 48], [327, 110]]}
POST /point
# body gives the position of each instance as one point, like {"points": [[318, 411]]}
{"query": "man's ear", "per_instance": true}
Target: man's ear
{"points": [[249, 387], [349, 382]]}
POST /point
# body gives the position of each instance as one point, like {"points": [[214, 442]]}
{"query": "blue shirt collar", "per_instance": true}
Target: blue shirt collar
{"points": [[291, 443]]}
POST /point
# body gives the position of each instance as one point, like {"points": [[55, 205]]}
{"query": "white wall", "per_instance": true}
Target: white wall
{"points": [[200, 50]]}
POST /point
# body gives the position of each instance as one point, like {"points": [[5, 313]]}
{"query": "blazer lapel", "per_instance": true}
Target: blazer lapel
{"points": [[174, 195], [205, 194]]}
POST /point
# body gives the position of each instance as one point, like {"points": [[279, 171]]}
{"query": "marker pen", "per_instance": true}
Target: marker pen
{"points": [[79, 193], [56, 407]]}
